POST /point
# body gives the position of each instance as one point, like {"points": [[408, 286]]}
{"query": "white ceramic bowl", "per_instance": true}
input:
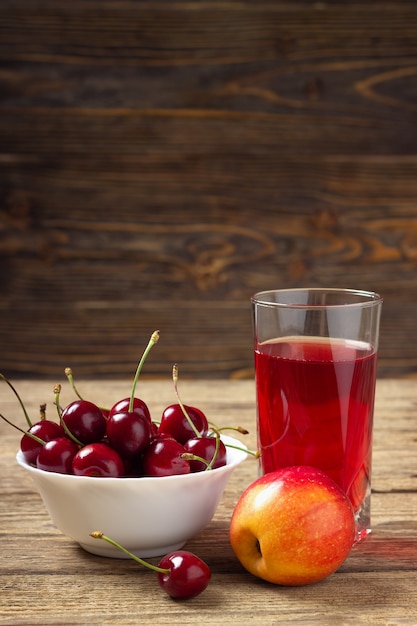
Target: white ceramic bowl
{"points": [[148, 516]]}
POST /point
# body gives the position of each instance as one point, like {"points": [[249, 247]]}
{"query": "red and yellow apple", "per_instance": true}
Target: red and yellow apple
{"points": [[293, 526]]}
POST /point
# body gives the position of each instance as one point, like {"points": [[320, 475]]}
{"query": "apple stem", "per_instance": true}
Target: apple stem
{"points": [[152, 341], [98, 534], [6, 380], [183, 409], [25, 432]]}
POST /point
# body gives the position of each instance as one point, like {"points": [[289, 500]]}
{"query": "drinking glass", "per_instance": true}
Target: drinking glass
{"points": [[315, 370]]}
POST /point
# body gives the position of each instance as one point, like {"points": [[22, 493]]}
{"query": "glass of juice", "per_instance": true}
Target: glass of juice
{"points": [[315, 370]]}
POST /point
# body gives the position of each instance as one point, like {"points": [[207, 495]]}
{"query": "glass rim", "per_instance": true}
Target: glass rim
{"points": [[367, 298]]}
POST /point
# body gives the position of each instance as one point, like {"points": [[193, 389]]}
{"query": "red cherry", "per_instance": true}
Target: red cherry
{"points": [[139, 407], [84, 420], [181, 574], [57, 455], [98, 459], [175, 423], [128, 433], [162, 457], [45, 430], [205, 447], [187, 577]]}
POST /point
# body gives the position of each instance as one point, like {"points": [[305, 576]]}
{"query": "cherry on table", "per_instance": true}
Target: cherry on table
{"points": [[187, 575], [181, 574]]}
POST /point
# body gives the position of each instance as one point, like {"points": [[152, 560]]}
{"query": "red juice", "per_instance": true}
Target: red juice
{"points": [[315, 407]]}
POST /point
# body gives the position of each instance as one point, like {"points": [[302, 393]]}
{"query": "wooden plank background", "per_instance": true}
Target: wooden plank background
{"points": [[162, 161]]}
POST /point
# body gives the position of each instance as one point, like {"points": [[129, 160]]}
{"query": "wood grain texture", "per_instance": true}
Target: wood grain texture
{"points": [[48, 580], [162, 161]]}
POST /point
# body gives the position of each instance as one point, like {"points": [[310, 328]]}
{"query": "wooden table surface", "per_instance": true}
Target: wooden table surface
{"points": [[47, 579]]}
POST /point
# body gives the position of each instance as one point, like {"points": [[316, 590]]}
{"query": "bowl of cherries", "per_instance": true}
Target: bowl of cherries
{"points": [[152, 484]]}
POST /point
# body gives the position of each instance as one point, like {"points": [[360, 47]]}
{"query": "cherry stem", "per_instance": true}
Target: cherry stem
{"points": [[25, 432], [183, 409], [70, 377], [216, 451], [152, 341], [68, 374], [189, 456], [255, 453], [57, 391], [29, 423], [98, 534], [238, 429]]}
